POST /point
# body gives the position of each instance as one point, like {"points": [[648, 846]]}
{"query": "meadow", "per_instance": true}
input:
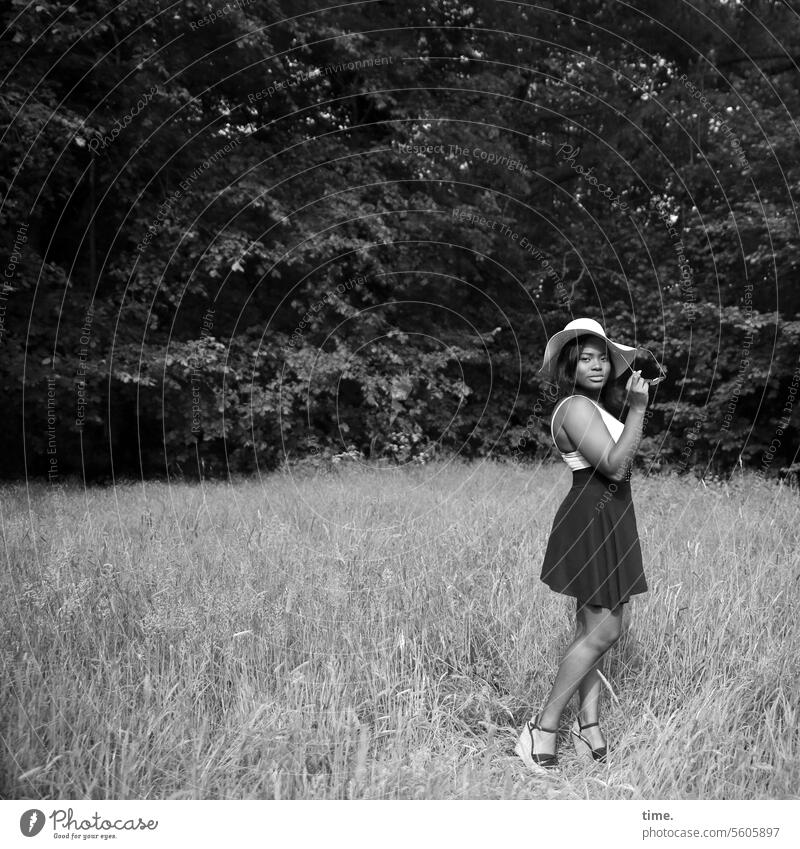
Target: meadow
{"points": [[381, 633]]}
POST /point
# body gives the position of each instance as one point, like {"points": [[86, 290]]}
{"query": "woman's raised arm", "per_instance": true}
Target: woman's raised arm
{"points": [[587, 431]]}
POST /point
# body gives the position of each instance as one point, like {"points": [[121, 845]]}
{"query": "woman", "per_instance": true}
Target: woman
{"points": [[593, 552]]}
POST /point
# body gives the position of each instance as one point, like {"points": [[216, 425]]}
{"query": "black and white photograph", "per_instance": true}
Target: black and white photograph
{"points": [[400, 403]]}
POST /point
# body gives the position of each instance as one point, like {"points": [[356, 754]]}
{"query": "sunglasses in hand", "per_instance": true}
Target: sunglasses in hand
{"points": [[649, 367]]}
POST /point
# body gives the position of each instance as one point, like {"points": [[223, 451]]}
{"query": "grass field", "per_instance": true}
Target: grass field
{"points": [[376, 633]]}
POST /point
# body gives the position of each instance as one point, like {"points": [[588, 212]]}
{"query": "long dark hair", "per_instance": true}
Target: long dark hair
{"points": [[612, 395]]}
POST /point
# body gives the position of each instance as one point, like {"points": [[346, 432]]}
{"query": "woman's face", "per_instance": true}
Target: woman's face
{"points": [[593, 367]]}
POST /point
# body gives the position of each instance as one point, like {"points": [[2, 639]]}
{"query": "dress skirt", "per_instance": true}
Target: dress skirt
{"points": [[593, 552]]}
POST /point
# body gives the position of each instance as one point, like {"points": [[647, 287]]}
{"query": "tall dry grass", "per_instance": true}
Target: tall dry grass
{"points": [[377, 633]]}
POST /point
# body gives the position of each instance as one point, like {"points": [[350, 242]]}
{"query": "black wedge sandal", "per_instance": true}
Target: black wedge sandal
{"points": [[582, 746], [526, 748]]}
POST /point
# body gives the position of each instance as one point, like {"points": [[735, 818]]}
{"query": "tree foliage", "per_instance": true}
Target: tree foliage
{"points": [[260, 231]]}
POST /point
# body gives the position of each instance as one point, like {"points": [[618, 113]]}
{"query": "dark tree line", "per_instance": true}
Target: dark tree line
{"points": [[235, 233]]}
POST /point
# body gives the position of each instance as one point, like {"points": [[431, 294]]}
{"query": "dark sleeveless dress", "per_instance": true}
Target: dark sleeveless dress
{"points": [[593, 552]]}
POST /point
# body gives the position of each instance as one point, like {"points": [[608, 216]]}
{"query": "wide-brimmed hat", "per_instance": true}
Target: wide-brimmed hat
{"points": [[622, 356]]}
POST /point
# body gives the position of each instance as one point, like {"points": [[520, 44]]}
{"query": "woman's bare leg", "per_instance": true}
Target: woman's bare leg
{"points": [[589, 694], [589, 697], [589, 704], [597, 629]]}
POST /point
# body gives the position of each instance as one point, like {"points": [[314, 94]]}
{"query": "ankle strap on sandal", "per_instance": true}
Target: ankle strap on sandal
{"points": [[588, 725]]}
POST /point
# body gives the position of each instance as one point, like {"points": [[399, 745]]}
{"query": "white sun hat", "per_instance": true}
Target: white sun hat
{"points": [[622, 356]]}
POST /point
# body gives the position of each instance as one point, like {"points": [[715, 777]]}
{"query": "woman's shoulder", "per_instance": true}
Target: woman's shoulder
{"points": [[575, 402], [572, 403], [581, 410]]}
